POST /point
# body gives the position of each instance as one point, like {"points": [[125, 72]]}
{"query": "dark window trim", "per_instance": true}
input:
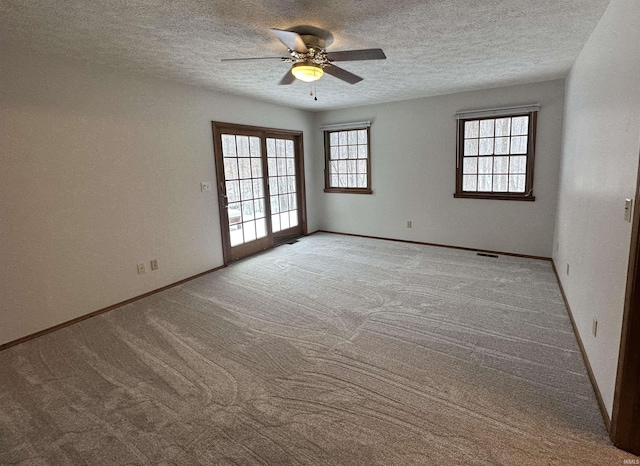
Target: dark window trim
{"points": [[348, 190], [496, 196], [327, 153], [502, 196]]}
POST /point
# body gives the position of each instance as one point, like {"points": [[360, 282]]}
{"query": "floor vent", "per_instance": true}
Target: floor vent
{"points": [[484, 254], [285, 240]]}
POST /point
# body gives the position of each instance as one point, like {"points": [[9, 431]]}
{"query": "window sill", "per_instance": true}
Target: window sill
{"points": [[349, 190], [498, 197]]}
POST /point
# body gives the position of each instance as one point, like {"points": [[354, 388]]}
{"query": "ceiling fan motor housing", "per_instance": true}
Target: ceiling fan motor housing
{"points": [[309, 58]]}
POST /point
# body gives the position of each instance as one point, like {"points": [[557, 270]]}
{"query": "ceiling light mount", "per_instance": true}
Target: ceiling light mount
{"points": [[308, 65], [307, 71], [311, 35]]}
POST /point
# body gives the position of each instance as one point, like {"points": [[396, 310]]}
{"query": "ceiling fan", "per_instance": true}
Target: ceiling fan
{"points": [[310, 60]]}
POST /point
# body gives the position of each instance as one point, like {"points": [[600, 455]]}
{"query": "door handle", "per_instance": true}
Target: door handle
{"points": [[224, 195]]}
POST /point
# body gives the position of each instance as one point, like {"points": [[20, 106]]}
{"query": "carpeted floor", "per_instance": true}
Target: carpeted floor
{"points": [[333, 350]]}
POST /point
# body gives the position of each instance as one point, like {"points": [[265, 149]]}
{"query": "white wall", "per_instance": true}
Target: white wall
{"points": [[100, 170], [598, 171], [413, 160]]}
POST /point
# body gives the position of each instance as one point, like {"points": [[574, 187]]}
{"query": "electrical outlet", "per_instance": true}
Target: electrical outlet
{"points": [[408, 223], [141, 268], [154, 264], [205, 186], [594, 327]]}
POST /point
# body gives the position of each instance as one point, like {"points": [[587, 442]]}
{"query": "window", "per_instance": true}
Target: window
{"points": [[496, 153], [347, 161]]}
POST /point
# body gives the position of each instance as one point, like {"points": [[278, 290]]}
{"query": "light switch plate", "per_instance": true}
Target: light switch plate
{"points": [[628, 203]]}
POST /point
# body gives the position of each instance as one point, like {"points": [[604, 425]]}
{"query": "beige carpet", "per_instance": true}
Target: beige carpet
{"points": [[333, 350]]}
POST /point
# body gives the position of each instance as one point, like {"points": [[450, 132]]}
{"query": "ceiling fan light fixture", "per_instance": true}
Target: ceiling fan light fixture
{"points": [[307, 72]]}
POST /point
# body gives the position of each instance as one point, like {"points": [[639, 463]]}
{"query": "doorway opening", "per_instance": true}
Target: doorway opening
{"points": [[625, 419], [261, 192]]}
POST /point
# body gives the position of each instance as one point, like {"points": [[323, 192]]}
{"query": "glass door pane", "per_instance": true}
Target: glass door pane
{"points": [[260, 191], [244, 187], [283, 190]]}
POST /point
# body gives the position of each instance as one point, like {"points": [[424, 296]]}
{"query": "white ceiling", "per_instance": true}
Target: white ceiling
{"points": [[433, 46]]}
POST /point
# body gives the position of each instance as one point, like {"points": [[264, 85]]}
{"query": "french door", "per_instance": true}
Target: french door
{"points": [[260, 179]]}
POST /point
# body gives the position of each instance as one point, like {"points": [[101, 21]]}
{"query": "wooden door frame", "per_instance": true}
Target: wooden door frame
{"points": [[218, 128], [300, 194], [625, 419], [265, 243]]}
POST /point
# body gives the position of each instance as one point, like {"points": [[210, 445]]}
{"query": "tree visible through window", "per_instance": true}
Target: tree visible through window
{"points": [[347, 161], [495, 156]]}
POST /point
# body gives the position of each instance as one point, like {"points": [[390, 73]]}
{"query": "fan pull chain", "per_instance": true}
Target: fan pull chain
{"points": [[313, 89]]}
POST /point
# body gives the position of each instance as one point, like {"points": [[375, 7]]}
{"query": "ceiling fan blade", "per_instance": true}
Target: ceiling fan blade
{"points": [[343, 74], [291, 39], [253, 58], [287, 78], [352, 55]]}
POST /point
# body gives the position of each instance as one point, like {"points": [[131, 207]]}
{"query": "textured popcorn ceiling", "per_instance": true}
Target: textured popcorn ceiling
{"points": [[432, 47]]}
